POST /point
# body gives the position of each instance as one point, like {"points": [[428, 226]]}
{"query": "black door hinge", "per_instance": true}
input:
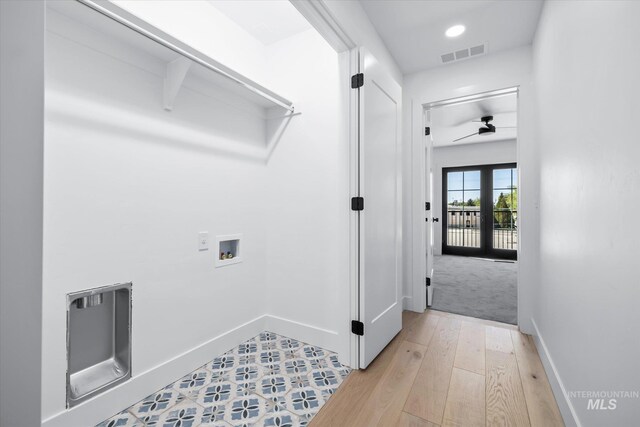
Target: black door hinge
{"points": [[427, 206], [428, 281], [427, 130], [357, 327], [357, 203], [357, 80]]}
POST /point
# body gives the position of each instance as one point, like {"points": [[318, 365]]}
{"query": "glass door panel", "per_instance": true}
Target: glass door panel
{"points": [[505, 209], [463, 227]]}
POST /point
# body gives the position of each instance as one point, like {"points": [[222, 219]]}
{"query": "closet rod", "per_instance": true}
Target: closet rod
{"points": [[127, 19]]}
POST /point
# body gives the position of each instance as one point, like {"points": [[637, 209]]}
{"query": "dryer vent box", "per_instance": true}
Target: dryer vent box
{"points": [[98, 341]]}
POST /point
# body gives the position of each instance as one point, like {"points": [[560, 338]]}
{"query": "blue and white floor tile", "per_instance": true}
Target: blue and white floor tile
{"points": [[223, 364], [216, 393], [185, 414], [194, 381], [288, 345], [274, 385], [213, 415], [123, 419], [279, 419], [269, 380], [156, 404], [245, 410], [303, 401], [299, 381], [295, 366]]}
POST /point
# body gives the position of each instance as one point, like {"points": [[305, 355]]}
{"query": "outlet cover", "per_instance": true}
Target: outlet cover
{"points": [[203, 241]]}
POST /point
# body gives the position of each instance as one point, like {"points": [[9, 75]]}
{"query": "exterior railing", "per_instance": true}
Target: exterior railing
{"points": [[464, 227]]}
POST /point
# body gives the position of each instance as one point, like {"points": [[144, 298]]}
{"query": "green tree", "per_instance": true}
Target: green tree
{"points": [[502, 212], [512, 199], [473, 202]]}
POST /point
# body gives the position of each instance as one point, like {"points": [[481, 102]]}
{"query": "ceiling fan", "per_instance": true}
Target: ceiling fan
{"points": [[487, 128]]}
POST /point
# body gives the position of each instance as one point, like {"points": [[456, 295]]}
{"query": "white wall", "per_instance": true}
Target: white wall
{"points": [[495, 71], [21, 157], [463, 155], [587, 64], [128, 186], [307, 214]]}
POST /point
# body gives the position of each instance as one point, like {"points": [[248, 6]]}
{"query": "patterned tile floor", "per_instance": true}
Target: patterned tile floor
{"points": [[269, 380]]}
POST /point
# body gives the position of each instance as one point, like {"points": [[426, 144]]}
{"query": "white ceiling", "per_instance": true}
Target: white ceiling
{"points": [[269, 21], [455, 121], [413, 30]]}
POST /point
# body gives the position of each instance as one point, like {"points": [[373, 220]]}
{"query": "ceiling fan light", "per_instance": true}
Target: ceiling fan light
{"points": [[455, 31]]}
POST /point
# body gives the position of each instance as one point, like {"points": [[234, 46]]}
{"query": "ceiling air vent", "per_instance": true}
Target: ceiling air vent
{"points": [[461, 54], [476, 50], [464, 53], [448, 57]]}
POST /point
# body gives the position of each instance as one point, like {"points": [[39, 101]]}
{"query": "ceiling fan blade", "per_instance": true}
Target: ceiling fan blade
{"points": [[470, 135]]}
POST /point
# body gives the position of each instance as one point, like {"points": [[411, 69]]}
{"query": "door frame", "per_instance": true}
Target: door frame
{"points": [[318, 14], [420, 180], [486, 228], [355, 254]]}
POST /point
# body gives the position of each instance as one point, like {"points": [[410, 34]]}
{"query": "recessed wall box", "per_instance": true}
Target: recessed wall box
{"points": [[98, 341], [229, 250]]}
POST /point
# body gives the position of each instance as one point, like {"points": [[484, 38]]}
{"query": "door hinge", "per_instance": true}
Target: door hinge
{"points": [[357, 203], [427, 130], [428, 281], [357, 327], [357, 80]]}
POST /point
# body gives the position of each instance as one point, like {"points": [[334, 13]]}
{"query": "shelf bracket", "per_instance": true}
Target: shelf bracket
{"points": [[175, 74]]}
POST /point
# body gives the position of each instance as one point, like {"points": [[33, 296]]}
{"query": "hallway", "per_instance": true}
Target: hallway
{"points": [[238, 213], [443, 370]]}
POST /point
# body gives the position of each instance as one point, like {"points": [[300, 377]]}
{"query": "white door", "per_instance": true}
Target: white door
{"points": [[380, 221]]}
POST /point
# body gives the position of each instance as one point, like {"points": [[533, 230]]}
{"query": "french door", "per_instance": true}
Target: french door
{"points": [[480, 209]]}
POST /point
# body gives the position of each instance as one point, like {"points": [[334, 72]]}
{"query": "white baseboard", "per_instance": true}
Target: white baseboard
{"points": [[407, 302], [559, 391], [324, 338], [142, 384]]}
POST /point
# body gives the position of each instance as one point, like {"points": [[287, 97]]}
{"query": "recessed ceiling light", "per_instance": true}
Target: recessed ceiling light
{"points": [[455, 31]]}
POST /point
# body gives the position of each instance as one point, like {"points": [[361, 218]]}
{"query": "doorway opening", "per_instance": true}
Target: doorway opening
{"points": [[472, 243]]}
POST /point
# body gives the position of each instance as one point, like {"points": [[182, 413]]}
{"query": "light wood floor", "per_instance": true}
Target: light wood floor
{"points": [[447, 370]]}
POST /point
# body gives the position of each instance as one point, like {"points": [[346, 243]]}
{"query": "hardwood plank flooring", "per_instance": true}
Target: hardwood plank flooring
{"points": [[499, 339], [466, 401], [471, 348], [422, 329], [537, 392], [443, 369], [429, 392], [356, 389], [391, 392], [506, 404], [408, 420]]}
